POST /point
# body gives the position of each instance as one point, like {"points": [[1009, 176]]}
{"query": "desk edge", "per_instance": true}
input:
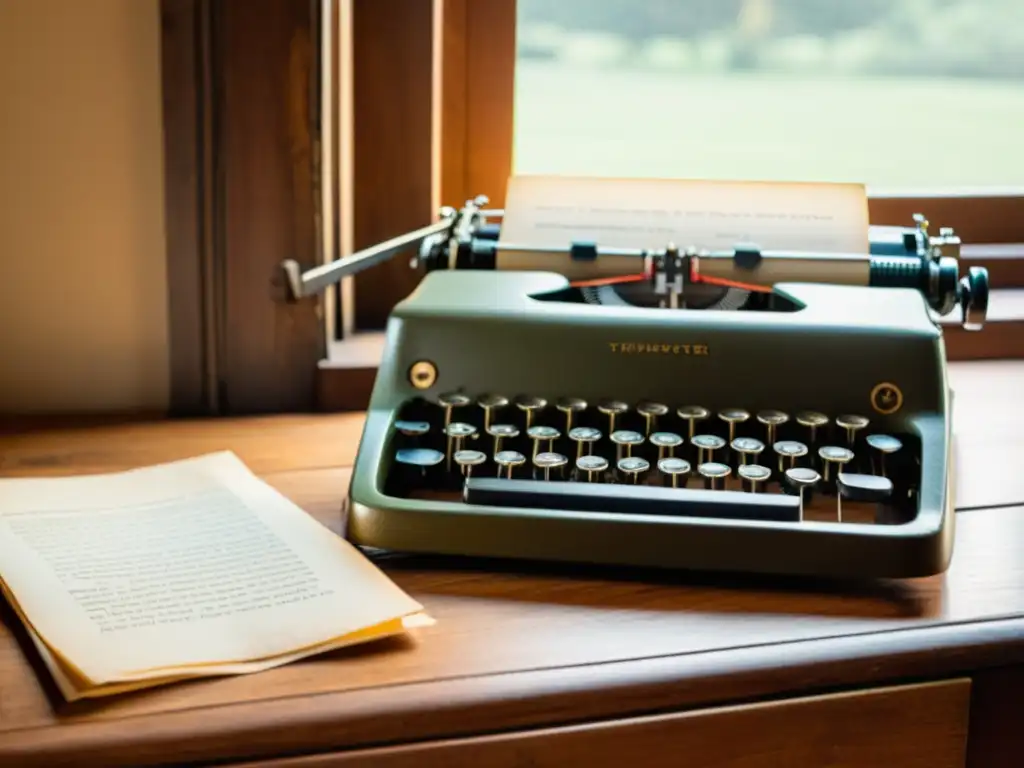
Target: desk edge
{"points": [[448, 708]]}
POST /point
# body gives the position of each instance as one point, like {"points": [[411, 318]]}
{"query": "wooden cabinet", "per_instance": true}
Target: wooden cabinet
{"points": [[913, 726]]}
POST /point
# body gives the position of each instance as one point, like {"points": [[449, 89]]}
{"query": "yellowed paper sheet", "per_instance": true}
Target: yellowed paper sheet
{"points": [[151, 572], [74, 687], [710, 215]]}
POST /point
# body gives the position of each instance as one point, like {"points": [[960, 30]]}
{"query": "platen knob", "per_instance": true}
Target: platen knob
{"points": [[974, 298]]}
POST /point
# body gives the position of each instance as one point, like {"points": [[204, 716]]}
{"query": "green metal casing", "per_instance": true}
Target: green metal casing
{"points": [[485, 332]]}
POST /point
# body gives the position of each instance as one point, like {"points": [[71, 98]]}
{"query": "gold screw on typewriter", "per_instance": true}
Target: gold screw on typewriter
{"points": [[422, 374]]}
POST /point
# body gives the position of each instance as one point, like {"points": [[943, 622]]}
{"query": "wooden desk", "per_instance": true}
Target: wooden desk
{"points": [[556, 666]]}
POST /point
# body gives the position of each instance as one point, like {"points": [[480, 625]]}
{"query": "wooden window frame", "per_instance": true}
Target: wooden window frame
{"points": [[242, 156], [426, 120], [470, 120]]}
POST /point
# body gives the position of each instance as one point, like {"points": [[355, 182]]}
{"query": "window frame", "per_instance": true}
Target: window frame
{"points": [[242, 105], [264, 163]]}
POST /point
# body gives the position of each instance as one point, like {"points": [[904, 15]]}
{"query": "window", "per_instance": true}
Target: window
{"points": [[371, 125], [898, 94]]}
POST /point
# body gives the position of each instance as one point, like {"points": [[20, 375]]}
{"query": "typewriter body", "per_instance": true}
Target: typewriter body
{"points": [[744, 411]]}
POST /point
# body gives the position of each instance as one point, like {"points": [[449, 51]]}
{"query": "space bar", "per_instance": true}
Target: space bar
{"points": [[630, 499]]}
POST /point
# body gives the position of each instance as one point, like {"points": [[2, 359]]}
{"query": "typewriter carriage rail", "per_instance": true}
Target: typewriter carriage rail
{"points": [[469, 289]]}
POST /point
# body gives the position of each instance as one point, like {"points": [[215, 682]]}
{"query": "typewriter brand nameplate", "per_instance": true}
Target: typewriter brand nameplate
{"points": [[647, 348], [648, 213]]}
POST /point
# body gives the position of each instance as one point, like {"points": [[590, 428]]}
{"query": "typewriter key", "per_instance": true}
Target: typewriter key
{"points": [[714, 474], [422, 458], [706, 446], [508, 461], [632, 467], [788, 452], [500, 431], [412, 428], [732, 417], [570, 406], [870, 488], [752, 476], [772, 420], [530, 406], [651, 411], [547, 461], [457, 431], [450, 400], [852, 424], [748, 448], [490, 403], [590, 464], [882, 445], [801, 480], [469, 459], [624, 440], [676, 470], [584, 436], [833, 455], [812, 420], [691, 414], [666, 442], [419, 457], [612, 408], [539, 433]]}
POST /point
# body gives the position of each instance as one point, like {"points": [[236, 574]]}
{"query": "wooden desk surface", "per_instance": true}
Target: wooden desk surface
{"points": [[525, 647]]}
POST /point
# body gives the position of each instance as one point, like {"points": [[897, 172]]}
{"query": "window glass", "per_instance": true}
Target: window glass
{"points": [[895, 93]]}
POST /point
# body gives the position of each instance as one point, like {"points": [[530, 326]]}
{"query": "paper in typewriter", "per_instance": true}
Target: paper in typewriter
{"points": [[712, 215], [187, 569]]}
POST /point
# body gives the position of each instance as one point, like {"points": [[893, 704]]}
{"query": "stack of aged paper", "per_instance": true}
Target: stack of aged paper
{"points": [[189, 569]]}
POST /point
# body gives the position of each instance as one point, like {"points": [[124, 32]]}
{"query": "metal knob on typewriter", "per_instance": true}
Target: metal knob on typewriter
{"points": [[612, 409], [500, 431], [834, 457], [591, 463], [666, 443], [732, 417], [540, 433], [882, 445], [812, 421], [801, 480], [632, 467], [691, 414], [491, 403], [468, 459], [651, 411], [974, 298], [788, 452], [570, 406], [748, 448], [449, 401], [624, 440], [706, 447], [676, 470], [584, 436], [507, 461], [852, 423], [772, 420], [548, 461], [714, 474], [753, 476], [530, 405]]}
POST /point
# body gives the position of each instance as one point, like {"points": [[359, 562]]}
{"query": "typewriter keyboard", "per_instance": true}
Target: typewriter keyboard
{"points": [[652, 458]]}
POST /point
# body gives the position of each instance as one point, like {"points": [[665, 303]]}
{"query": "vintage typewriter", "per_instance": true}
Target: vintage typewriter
{"points": [[742, 410]]}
